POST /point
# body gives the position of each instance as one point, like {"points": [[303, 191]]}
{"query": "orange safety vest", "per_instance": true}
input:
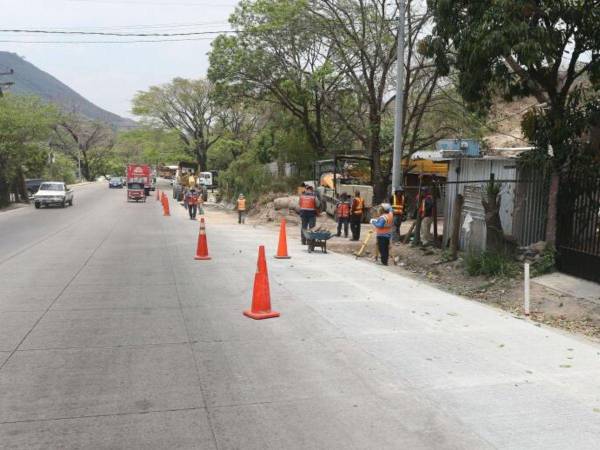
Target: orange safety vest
{"points": [[397, 204], [308, 202], [343, 210], [389, 222], [358, 205], [193, 199], [241, 204]]}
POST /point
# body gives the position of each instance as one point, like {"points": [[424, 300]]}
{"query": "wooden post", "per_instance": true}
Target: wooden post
{"points": [[417, 240], [409, 234], [435, 193], [457, 213]]}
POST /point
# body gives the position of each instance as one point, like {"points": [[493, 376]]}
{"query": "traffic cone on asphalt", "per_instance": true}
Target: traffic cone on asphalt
{"points": [[166, 211], [282, 252], [261, 294], [202, 247]]}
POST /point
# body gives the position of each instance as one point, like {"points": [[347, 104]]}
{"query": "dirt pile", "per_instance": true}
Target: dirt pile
{"points": [[274, 207]]}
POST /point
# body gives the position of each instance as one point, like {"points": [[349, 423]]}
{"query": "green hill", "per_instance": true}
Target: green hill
{"points": [[30, 80]]}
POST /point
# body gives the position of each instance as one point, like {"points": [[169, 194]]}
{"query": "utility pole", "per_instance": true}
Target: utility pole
{"points": [[399, 103]]}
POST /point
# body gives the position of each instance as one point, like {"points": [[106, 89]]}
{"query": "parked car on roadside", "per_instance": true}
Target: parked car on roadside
{"points": [[32, 185], [53, 193], [116, 182]]}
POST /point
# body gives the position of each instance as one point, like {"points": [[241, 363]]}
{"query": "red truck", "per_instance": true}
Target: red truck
{"points": [[138, 182]]}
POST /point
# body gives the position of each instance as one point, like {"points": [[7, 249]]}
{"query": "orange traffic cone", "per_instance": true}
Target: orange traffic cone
{"points": [[282, 252], [202, 247], [261, 294], [157, 195], [166, 211]]}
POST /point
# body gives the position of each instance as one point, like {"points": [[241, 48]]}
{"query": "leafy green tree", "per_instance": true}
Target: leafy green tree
{"points": [[150, 145], [60, 168], [187, 107], [547, 49], [25, 127], [85, 142], [280, 58], [245, 175], [363, 39]]}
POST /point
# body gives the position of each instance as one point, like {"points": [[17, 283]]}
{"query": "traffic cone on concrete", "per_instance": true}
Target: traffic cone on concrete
{"points": [[261, 294], [282, 251], [166, 211], [202, 247]]}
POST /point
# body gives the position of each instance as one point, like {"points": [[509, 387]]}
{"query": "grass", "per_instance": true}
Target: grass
{"points": [[545, 264], [490, 265]]}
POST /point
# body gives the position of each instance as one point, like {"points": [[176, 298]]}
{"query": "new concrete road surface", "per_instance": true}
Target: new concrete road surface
{"points": [[112, 336]]}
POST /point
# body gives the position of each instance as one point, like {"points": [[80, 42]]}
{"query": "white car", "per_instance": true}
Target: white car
{"points": [[53, 193]]}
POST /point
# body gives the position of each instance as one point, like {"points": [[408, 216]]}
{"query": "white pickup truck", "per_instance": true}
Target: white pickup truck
{"points": [[53, 193]]}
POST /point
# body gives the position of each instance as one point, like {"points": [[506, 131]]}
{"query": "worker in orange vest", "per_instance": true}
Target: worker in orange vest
{"points": [[191, 200], [384, 226], [342, 211], [241, 209], [309, 210], [356, 215], [397, 202]]}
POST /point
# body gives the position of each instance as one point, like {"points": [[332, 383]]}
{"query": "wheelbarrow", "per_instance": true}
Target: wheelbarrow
{"points": [[316, 239]]}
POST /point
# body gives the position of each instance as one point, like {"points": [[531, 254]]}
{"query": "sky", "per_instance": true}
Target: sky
{"points": [[109, 75]]}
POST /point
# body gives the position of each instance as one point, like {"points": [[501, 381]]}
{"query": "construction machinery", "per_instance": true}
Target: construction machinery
{"points": [[187, 176], [344, 174]]}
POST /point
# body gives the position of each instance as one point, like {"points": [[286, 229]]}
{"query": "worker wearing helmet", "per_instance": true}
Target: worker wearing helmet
{"points": [[397, 200], [384, 226], [191, 200], [309, 210]]}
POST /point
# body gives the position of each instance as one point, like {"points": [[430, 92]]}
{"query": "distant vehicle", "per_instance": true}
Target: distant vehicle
{"points": [[207, 179], [116, 182], [33, 185], [344, 174], [135, 192], [167, 172], [184, 178], [53, 193], [139, 173]]}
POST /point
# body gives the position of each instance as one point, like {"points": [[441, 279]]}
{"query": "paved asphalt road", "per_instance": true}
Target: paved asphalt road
{"points": [[112, 336]]}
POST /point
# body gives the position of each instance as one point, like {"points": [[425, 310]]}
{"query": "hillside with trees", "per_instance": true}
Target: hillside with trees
{"points": [[30, 80]]}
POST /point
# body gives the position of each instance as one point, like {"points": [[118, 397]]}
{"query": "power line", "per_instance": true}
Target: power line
{"points": [[147, 26], [107, 42], [157, 3], [101, 33]]}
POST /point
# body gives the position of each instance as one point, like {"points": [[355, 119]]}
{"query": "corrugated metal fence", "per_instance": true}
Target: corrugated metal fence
{"points": [[523, 200]]}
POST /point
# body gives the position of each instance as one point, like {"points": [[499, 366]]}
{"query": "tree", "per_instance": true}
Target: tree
{"points": [[186, 106], [544, 48], [279, 58], [25, 126], [363, 39], [86, 142], [149, 145]]}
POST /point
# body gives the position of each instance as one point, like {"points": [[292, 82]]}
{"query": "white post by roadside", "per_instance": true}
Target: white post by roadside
{"points": [[526, 289]]}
